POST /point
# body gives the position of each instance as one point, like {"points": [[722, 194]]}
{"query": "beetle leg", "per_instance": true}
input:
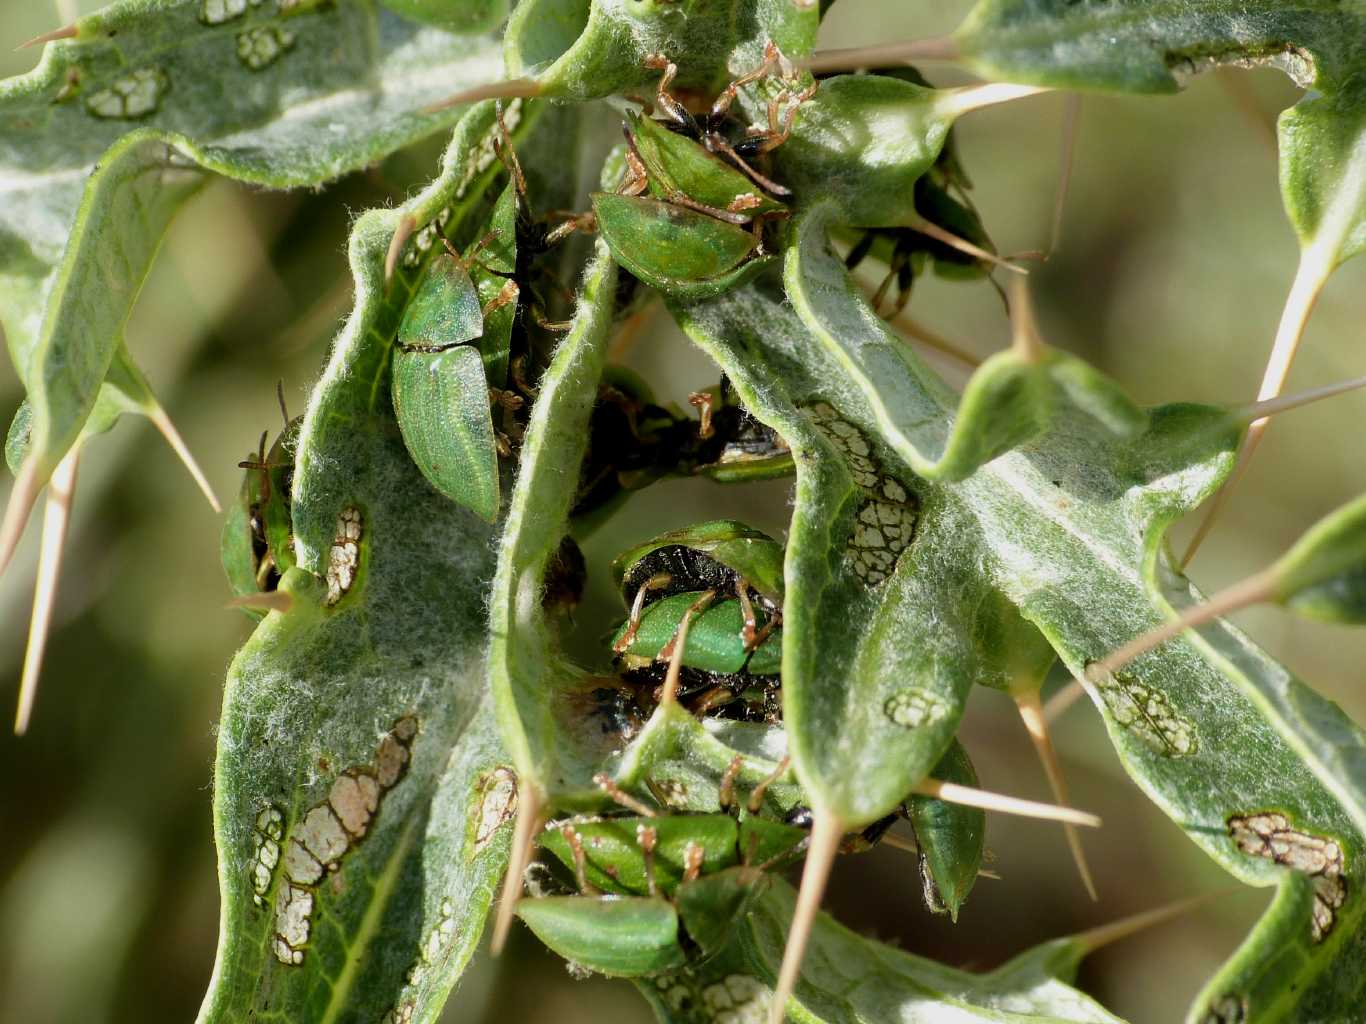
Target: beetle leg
{"points": [[770, 65], [773, 623], [604, 782], [729, 216], [678, 645], [637, 177], [571, 836], [692, 861], [646, 837], [509, 400], [509, 293], [517, 370], [756, 798], [655, 582], [778, 134], [556, 326], [664, 99], [585, 222], [727, 794], [717, 696], [720, 146], [502, 444], [750, 630], [703, 401]]}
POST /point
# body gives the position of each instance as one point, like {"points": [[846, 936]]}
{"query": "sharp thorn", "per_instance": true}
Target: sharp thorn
{"points": [[21, 501], [528, 824], [938, 48], [1031, 712], [65, 32], [988, 801], [56, 518], [1273, 406], [1103, 935], [406, 226], [1025, 341], [826, 833], [1255, 589], [954, 103], [1066, 696], [1310, 278], [512, 88], [265, 601], [167, 430]]}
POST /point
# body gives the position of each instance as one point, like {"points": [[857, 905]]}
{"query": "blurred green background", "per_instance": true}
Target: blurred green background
{"points": [[1174, 260]]}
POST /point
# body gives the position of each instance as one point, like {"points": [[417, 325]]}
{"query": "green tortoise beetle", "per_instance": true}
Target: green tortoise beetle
{"points": [[950, 836], [723, 557], [732, 446], [651, 892], [257, 544], [699, 231]]}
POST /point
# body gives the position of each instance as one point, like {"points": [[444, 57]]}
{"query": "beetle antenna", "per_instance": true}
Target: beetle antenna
{"points": [[933, 230], [970, 796], [826, 833], [280, 396], [528, 822], [56, 517], [756, 798], [1031, 711]]}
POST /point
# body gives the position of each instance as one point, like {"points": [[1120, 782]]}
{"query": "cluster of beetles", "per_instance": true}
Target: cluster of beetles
{"points": [[688, 209]]}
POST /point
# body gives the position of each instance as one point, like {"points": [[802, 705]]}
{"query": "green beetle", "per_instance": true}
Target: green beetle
{"points": [[731, 445], [655, 893], [725, 580], [725, 557], [700, 230], [950, 836], [257, 543], [450, 364]]}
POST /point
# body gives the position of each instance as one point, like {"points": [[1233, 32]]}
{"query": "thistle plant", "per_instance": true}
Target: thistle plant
{"points": [[409, 756]]}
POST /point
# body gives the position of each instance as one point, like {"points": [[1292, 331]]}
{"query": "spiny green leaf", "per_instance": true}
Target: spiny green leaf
{"points": [[1009, 400], [114, 129], [1142, 46], [525, 667], [1068, 530], [1324, 575], [360, 789], [587, 49], [852, 980]]}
